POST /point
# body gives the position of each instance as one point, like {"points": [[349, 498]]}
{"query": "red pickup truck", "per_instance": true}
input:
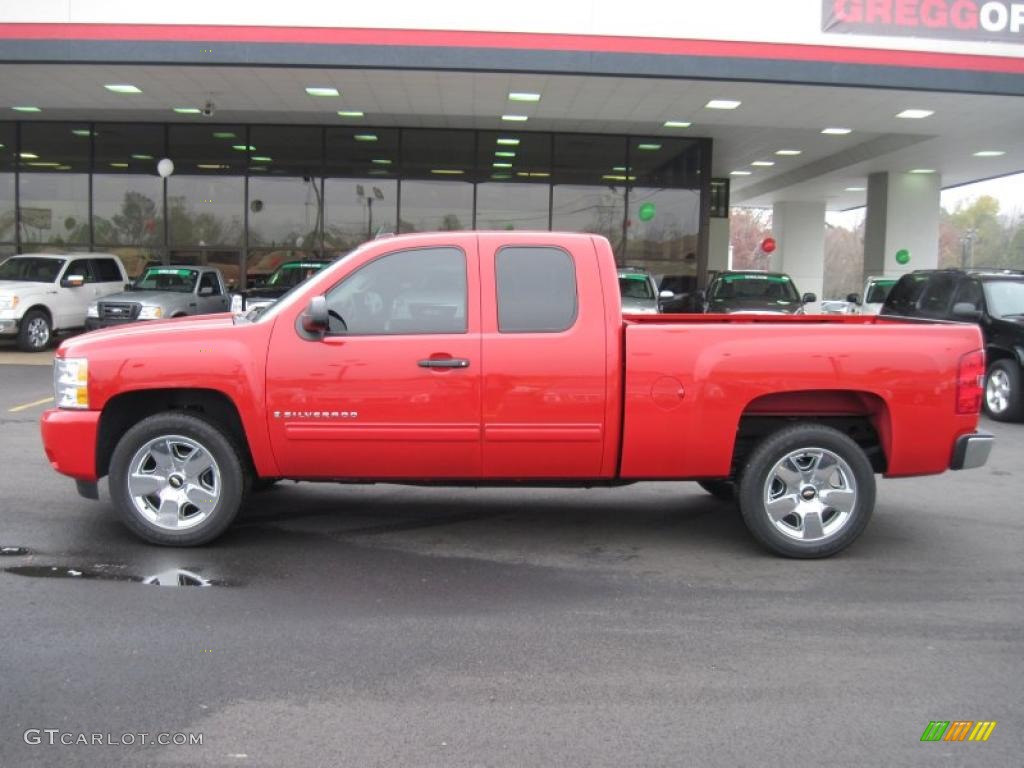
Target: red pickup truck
{"points": [[503, 358]]}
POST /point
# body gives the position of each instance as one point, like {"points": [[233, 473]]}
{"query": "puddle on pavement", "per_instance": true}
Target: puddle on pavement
{"points": [[14, 551], [169, 577]]}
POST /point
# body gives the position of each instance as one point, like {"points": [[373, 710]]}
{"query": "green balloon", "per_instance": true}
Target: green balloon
{"points": [[902, 256], [646, 212]]}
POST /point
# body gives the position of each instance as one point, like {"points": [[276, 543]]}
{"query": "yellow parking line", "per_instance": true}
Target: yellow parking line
{"points": [[26, 406]]}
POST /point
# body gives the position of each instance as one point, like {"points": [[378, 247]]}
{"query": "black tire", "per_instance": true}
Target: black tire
{"points": [[723, 490], [799, 460], [35, 332], [226, 459], [1003, 399]]}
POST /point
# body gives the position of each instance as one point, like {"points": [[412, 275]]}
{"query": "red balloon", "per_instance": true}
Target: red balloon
{"points": [[768, 244]]}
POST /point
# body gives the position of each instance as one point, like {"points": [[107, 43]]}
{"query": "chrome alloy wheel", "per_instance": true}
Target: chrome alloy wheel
{"points": [[174, 482], [38, 332], [810, 494], [997, 391]]}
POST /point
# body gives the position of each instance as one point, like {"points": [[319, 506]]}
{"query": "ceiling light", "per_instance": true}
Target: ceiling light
{"points": [[539, 174], [81, 132], [677, 124], [223, 135], [508, 142], [26, 109], [740, 173], [322, 91], [836, 131], [260, 158], [616, 177], [521, 96], [722, 104], [378, 172], [447, 172], [43, 165], [188, 110], [501, 176], [504, 154], [515, 118], [365, 137], [855, 189], [788, 152], [123, 88], [622, 168], [649, 147], [118, 165], [142, 157], [380, 161], [244, 147], [916, 114], [763, 163], [990, 153], [28, 156], [349, 113], [922, 170], [501, 165], [213, 166]]}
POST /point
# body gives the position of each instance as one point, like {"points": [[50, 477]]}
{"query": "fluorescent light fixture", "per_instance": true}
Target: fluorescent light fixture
{"points": [[501, 176], [916, 114], [722, 104], [43, 165], [188, 110], [28, 156], [81, 132], [622, 168], [380, 161], [763, 163], [990, 153], [317, 91], [349, 113], [515, 118], [677, 124], [523, 96], [504, 154], [740, 173], [379, 172], [63, 167], [244, 147], [649, 147], [446, 172], [263, 168], [260, 158], [118, 165], [142, 157], [501, 165], [616, 177], [123, 88], [365, 137], [213, 166], [26, 109], [508, 142], [922, 170], [836, 131], [788, 152], [223, 135], [855, 189], [539, 174]]}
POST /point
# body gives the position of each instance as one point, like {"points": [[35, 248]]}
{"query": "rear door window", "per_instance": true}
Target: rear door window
{"points": [[536, 289]]}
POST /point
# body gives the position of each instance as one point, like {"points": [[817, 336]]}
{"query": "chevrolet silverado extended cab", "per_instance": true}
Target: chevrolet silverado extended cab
{"points": [[503, 358]]}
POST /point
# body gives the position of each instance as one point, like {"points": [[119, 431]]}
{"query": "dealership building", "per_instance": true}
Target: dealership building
{"points": [[304, 128]]}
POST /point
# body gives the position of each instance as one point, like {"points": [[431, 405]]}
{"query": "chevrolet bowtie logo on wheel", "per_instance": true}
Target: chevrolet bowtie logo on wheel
{"points": [[958, 730]]}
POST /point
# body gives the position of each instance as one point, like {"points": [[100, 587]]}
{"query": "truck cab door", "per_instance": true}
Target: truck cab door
{"points": [[392, 390], [208, 295], [545, 347]]}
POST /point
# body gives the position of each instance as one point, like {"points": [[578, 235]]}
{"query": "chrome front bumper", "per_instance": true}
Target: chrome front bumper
{"points": [[971, 451]]}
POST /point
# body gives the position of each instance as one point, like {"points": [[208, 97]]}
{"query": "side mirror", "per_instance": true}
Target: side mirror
{"points": [[73, 281], [853, 298], [809, 298], [315, 319], [966, 311], [666, 295]]}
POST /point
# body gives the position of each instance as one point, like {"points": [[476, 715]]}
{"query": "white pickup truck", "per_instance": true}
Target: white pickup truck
{"points": [[45, 293]]}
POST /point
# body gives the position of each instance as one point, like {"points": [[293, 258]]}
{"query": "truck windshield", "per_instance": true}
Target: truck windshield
{"points": [[170, 279], [757, 287], [28, 269], [1005, 297], [878, 290], [290, 275]]}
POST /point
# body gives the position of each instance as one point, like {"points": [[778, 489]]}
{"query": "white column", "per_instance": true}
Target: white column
{"points": [[718, 244], [799, 232], [903, 215]]}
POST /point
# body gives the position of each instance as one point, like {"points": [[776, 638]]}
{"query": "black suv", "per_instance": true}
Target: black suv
{"points": [[992, 298]]}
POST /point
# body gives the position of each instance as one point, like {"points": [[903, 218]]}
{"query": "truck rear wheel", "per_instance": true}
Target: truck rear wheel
{"points": [[806, 491], [177, 480], [35, 331]]}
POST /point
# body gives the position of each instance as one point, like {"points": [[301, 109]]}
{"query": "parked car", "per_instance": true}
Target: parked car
{"points": [[876, 288], [994, 299], [281, 280], [163, 292], [755, 292], [42, 294], [638, 291], [503, 357], [678, 293]]}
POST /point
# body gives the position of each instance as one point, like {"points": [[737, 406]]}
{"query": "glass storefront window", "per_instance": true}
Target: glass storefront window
{"points": [[54, 183], [8, 225], [436, 206], [127, 192], [285, 212], [204, 211], [357, 210], [515, 169], [590, 175]]}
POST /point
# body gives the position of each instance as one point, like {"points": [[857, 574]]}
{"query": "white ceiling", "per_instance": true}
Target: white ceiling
{"points": [[771, 117]]}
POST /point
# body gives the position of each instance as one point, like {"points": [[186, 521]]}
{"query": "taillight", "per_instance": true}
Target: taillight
{"points": [[970, 382]]}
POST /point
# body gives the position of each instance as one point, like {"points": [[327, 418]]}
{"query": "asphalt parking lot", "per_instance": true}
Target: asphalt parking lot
{"points": [[385, 625]]}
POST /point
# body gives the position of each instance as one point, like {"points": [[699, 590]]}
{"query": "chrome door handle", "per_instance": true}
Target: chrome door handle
{"points": [[445, 362]]}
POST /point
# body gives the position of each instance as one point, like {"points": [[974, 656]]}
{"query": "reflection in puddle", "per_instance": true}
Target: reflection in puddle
{"points": [[170, 577], [14, 551]]}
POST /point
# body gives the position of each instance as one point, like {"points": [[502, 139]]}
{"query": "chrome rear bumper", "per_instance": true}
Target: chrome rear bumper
{"points": [[971, 451]]}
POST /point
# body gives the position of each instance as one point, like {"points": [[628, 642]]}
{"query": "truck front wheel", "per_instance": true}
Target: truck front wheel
{"points": [[806, 491], [177, 480]]}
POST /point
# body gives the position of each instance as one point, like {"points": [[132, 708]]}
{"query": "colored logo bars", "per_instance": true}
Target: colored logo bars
{"points": [[958, 730]]}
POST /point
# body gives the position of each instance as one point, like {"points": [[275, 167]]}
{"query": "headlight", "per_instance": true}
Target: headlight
{"points": [[93, 310], [151, 313], [71, 382], [8, 302]]}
